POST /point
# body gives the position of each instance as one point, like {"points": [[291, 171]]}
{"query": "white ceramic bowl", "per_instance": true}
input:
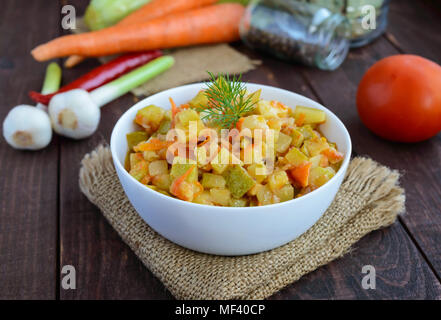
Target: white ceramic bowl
{"points": [[228, 230]]}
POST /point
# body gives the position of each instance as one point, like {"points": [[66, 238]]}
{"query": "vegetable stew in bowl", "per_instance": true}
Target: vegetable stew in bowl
{"points": [[229, 147]]}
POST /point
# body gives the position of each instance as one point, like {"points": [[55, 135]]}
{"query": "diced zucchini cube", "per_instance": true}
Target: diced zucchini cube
{"points": [[238, 181], [134, 138], [312, 115], [210, 180], [238, 202], [180, 166], [296, 157], [297, 138], [139, 170], [318, 176], [164, 127], [220, 196], [307, 131], [135, 158]]}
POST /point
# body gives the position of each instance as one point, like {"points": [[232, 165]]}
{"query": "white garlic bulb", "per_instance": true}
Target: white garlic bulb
{"points": [[26, 127], [74, 114]]}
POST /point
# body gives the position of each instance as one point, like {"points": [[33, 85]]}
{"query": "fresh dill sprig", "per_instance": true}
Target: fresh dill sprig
{"points": [[228, 100]]}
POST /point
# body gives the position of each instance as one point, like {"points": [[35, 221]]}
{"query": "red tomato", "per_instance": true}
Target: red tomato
{"points": [[399, 98]]}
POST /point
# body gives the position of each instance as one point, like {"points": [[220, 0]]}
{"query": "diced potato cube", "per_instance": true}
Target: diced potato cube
{"points": [[265, 109], [333, 155], [150, 117], [203, 198], [283, 143], [134, 138], [238, 181], [311, 115], [264, 196], [238, 202], [315, 161], [285, 193], [180, 166], [254, 122], [183, 191], [210, 180], [150, 155], [258, 171], [297, 138], [315, 146], [277, 180], [296, 157], [220, 196], [275, 124], [254, 189], [318, 176], [162, 181], [199, 101], [186, 116], [158, 167]]}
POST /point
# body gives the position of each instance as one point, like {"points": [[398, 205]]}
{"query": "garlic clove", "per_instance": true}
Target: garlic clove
{"points": [[74, 114], [27, 128]]}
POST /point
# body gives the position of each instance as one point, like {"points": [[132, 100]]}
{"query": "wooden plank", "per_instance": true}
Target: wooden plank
{"points": [[421, 35], [397, 277], [106, 268], [419, 162], [342, 279], [29, 186], [415, 27]]}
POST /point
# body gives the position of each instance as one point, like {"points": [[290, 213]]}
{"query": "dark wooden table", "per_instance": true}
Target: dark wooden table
{"points": [[46, 223]]}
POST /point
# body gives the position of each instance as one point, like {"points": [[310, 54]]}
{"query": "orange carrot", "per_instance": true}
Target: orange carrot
{"points": [[199, 186], [175, 187], [174, 111], [150, 11], [211, 24], [333, 155], [152, 145], [72, 61], [300, 174], [239, 123], [300, 120], [161, 8]]}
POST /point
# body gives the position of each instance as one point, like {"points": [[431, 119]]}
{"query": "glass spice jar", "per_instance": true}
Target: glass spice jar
{"points": [[297, 31], [356, 11]]}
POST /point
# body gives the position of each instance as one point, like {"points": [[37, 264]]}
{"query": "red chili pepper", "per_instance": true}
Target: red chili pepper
{"points": [[102, 74]]}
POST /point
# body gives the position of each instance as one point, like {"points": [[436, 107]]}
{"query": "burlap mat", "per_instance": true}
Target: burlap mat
{"points": [[191, 65], [370, 198]]}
